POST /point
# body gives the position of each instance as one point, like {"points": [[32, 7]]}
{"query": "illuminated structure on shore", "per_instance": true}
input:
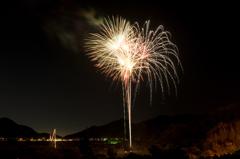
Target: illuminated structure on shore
{"points": [[53, 137]]}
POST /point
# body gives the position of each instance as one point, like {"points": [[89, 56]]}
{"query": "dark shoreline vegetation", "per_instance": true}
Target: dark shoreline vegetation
{"points": [[216, 135], [85, 150]]}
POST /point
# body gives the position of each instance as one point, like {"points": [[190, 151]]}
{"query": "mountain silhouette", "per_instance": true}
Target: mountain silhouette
{"points": [[217, 133], [141, 130], [10, 129], [111, 130]]}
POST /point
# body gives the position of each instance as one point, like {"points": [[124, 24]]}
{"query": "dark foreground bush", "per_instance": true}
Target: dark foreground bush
{"points": [[157, 152], [229, 156], [23, 150], [136, 156]]}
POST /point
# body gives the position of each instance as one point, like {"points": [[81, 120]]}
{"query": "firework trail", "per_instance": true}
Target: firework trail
{"points": [[125, 52]]}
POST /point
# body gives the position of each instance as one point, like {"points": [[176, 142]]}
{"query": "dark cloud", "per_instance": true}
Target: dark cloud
{"points": [[70, 26]]}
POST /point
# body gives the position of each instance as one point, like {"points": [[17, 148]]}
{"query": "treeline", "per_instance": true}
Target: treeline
{"points": [[217, 134], [222, 139]]}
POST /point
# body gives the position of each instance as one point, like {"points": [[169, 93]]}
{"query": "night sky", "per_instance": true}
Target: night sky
{"points": [[47, 81]]}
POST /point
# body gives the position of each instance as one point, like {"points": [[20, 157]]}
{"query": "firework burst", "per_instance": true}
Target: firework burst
{"points": [[125, 52]]}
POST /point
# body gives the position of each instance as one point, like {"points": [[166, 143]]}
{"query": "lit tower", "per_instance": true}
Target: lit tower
{"points": [[53, 137]]}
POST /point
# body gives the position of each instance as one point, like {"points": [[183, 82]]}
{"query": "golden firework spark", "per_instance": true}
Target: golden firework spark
{"points": [[125, 52]]}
